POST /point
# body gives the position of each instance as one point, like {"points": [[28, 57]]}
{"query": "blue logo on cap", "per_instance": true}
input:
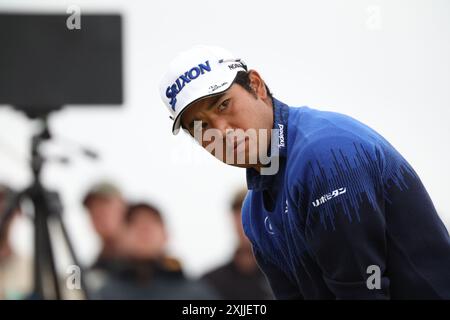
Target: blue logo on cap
{"points": [[192, 74]]}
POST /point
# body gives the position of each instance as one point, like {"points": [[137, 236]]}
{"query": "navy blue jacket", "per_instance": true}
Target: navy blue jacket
{"points": [[345, 216]]}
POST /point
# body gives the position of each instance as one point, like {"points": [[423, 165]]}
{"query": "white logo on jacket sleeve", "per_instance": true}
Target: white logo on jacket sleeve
{"points": [[328, 196]]}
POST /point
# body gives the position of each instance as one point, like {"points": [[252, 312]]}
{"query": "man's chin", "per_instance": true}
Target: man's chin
{"points": [[238, 160], [240, 164]]}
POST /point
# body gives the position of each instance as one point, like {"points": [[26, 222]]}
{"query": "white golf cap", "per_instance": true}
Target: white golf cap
{"points": [[197, 73]]}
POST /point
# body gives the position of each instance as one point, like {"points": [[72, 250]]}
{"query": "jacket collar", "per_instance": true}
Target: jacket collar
{"points": [[278, 147]]}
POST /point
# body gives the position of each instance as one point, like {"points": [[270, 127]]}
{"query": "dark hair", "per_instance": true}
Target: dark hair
{"points": [[243, 80], [151, 209]]}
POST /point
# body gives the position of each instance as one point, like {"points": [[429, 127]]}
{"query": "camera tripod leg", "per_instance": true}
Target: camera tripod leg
{"points": [[75, 260]]}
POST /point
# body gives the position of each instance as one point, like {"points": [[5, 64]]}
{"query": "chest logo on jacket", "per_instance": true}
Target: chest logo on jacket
{"points": [[329, 196]]}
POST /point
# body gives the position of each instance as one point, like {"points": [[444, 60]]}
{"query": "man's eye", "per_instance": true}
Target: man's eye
{"points": [[223, 105]]}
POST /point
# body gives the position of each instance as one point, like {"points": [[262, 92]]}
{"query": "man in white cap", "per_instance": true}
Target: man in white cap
{"points": [[333, 210]]}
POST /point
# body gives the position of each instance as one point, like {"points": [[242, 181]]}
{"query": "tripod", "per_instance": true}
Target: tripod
{"points": [[47, 210]]}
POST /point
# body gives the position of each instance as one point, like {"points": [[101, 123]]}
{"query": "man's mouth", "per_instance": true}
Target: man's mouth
{"points": [[232, 146], [237, 145]]}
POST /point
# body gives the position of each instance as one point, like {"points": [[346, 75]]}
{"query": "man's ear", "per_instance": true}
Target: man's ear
{"points": [[257, 84]]}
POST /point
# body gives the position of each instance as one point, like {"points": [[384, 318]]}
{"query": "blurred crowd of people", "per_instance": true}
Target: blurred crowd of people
{"points": [[133, 262]]}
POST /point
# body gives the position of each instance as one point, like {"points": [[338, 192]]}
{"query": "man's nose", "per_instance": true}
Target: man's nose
{"points": [[220, 124]]}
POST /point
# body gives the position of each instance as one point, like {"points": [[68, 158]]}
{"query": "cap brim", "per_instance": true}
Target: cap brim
{"points": [[177, 121]]}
